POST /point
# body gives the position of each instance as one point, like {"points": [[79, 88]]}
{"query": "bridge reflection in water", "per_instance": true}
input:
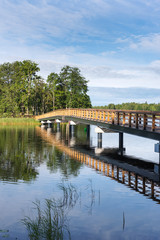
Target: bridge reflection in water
{"points": [[139, 177]]}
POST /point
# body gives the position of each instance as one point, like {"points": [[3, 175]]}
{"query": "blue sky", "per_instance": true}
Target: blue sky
{"points": [[115, 43]]}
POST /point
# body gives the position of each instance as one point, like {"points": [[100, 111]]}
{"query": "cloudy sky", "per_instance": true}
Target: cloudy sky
{"points": [[115, 43]]}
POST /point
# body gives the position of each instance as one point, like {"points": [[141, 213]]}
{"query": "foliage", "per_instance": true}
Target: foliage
{"points": [[132, 106], [19, 158], [23, 92], [69, 89]]}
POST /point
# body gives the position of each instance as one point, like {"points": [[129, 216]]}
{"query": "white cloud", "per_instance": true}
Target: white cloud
{"points": [[98, 69], [51, 33], [141, 43], [44, 21], [148, 43]]}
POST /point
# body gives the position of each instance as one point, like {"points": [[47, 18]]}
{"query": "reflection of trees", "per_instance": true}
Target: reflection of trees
{"points": [[56, 157], [17, 155], [58, 161], [22, 150]]}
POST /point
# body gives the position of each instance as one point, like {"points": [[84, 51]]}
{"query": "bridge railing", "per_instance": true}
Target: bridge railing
{"points": [[144, 120]]}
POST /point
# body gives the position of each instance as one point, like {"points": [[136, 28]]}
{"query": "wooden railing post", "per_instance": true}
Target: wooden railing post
{"points": [[113, 117], [104, 116], [136, 120], [123, 118], [129, 120], [89, 114], [100, 117], [144, 121], [153, 122], [108, 169], [144, 185], [152, 189], [96, 114], [117, 118], [108, 117], [118, 173]]}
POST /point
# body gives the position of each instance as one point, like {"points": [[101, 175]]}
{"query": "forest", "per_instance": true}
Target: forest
{"points": [[23, 92], [132, 106]]}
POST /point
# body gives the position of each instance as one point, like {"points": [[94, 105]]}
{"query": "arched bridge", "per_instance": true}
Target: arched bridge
{"points": [[140, 123]]}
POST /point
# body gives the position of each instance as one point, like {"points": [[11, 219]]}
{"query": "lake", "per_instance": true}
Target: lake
{"points": [[57, 185]]}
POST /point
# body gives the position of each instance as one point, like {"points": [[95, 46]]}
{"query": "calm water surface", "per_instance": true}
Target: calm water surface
{"points": [[103, 196]]}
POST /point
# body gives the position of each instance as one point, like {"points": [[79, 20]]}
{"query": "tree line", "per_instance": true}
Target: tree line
{"points": [[24, 92], [132, 106]]}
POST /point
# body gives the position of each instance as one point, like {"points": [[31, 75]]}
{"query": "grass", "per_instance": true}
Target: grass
{"points": [[51, 220], [18, 121]]}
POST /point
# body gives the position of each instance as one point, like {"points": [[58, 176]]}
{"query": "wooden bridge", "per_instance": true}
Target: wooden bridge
{"points": [[140, 123]]}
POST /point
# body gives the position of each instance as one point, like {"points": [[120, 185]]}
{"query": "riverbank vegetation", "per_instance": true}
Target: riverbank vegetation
{"points": [[18, 121], [24, 92], [132, 106]]}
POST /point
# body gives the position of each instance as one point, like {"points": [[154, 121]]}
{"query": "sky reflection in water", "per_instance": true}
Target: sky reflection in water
{"points": [[32, 166]]}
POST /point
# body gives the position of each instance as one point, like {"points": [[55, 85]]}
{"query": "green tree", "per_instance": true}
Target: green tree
{"points": [[22, 91], [52, 81], [18, 88], [75, 86], [29, 69]]}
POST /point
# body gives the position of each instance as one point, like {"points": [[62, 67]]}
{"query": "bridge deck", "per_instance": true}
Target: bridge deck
{"points": [[141, 123]]}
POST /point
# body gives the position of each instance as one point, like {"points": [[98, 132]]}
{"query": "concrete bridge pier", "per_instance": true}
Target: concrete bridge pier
{"points": [[99, 138], [99, 149], [58, 124], [88, 132], [58, 127], [88, 135], [72, 128], [42, 124], [99, 132], [157, 150], [121, 148], [49, 123]]}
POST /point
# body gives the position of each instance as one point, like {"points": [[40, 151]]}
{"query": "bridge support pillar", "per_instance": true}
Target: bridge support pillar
{"points": [[121, 148], [42, 124], [58, 127], [58, 124], [72, 128], [88, 135], [99, 143], [99, 132], [49, 124], [157, 149], [99, 149], [88, 132]]}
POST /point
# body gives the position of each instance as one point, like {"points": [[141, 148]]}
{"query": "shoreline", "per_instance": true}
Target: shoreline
{"points": [[18, 121]]}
